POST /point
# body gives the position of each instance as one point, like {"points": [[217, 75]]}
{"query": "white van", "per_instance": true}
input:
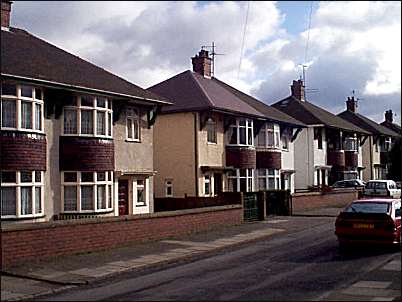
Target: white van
{"points": [[382, 188]]}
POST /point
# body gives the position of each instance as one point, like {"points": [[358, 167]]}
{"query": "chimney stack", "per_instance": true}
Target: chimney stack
{"points": [[351, 104], [297, 89], [5, 14], [202, 63], [389, 116]]}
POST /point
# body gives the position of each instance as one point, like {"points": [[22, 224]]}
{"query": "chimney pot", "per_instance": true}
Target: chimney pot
{"points": [[351, 104], [389, 116], [297, 89], [5, 14], [202, 63]]}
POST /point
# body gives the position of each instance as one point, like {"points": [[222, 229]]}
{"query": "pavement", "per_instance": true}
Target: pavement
{"points": [[42, 277]]}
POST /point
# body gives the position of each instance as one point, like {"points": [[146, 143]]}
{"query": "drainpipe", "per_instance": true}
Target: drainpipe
{"points": [[371, 141], [196, 152]]}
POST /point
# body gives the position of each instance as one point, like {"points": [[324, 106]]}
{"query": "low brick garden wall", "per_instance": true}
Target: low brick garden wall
{"points": [[314, 200], [23, 242]]}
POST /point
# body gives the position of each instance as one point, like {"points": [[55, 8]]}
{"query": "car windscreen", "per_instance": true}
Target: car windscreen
{"points": [[376, 185], [368, 207]]}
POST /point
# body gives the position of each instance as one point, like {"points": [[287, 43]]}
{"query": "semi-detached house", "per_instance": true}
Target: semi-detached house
{"points": [[75, 138], [329, 149], [216, 138], [375, 149]]}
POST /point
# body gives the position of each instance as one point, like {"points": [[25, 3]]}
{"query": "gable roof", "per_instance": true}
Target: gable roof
{"points": [[311, 114], [24, 56], [366, 123], [394, 127], [191, 91]]}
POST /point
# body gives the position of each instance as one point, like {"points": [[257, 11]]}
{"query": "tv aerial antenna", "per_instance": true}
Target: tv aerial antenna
{"points": [[213, 54]]}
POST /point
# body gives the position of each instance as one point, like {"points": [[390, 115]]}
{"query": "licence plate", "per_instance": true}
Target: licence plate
{"points": [[363, 226]]}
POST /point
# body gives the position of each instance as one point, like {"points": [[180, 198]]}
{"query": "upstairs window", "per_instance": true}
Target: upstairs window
{"points": [[133, 124], [211, 131], [318, 137], [88, 116], [21, 108], [350, 144], [269, 135], [241, 132]]}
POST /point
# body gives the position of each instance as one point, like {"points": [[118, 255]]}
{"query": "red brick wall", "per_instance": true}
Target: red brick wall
{"points": [[5, 13], [269, 159], [304, 201], [242, 158], [86, 154], [18, 151], [20, 243]]}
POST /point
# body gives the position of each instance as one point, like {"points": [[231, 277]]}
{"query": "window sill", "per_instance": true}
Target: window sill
{"points": [[88, 136], [22, 217], [141, 206], [28, 131], [90, 212], [211, 143], [132, 140]]}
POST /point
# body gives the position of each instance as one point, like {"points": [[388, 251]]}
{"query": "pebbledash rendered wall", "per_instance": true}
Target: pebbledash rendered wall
{"points": [[32, 241]]}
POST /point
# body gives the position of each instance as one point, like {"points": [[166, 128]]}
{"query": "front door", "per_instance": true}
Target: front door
{"points": [[123, 197], [217, 183]]}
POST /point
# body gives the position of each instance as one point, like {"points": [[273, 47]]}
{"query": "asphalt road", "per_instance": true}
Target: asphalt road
{"points": [[294, 265]]}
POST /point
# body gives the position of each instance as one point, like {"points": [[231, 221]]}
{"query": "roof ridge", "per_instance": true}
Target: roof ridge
{"points": [[194, 77], [381, 127]]}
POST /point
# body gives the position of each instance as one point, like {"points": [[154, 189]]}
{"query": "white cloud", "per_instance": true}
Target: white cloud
{"points": [[353, 45]]}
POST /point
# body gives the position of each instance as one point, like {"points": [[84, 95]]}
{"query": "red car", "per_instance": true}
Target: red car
{"points": [[376, 221]]}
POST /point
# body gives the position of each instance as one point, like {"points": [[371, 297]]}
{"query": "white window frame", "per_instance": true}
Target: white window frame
{"points": [[249, 178], [18, 185], [266, 130], [207, 183], [108, 182], [95, 109], [132, 118], [236, 127], [18, 108], [387, 144], [267, 175], [144, 188], [168, 184], [350, 144]]}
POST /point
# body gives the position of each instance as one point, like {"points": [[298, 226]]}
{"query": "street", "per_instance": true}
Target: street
{"points": [[294, 265]]}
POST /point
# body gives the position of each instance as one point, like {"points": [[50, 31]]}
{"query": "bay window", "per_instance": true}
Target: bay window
{"points": [[241, 180], [21, 194], [21, 108], [241, 132], [88, 116], [268, 179], [269, 135], [350, 144], [87, 191], [133, 124]]}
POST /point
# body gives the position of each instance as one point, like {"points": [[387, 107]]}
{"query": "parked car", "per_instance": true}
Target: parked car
{"points": [[374, 221], [382, 188], [350, 183], [398, 184]]}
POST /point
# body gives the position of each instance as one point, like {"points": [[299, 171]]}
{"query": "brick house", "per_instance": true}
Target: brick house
{"points": [[329, 149], [216, 138], [389, 122], [75, 139], [376, 147]]}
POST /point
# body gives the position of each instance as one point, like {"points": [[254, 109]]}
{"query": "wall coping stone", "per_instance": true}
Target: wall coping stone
{"points": [[341, 191], [62, 223]]}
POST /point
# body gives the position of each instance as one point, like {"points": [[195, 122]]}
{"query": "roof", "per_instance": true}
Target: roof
{"points": [[25, 56], [311, 114], [191, 91], [394, 127], [269, 111], [366, 123]]}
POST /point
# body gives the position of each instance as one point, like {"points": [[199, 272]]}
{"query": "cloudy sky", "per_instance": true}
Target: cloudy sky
{"points": [[351, 45]]}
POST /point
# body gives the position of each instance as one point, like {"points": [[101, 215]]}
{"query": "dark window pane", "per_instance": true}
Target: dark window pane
{"points": [[26, 91], [8, 89], [87, 100], [242, 134], [26, 176], [8, 177], [8, 108], [87, 198], [8, 201], [101, 197], [38, 176], [101, 102], [70, 198], [87, 176], [70, 176], [101, 176], [86, 122], [38, 94], [38, 203], [26, 115], [26, 200]]}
